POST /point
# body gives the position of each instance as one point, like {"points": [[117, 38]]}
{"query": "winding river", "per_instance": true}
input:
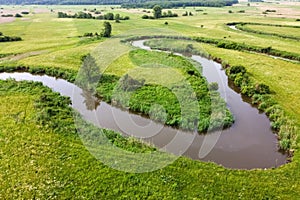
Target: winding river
{"points": [[249, 143]]}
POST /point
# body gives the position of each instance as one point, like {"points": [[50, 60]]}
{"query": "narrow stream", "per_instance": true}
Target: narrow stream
{"points": [[248, 144]]}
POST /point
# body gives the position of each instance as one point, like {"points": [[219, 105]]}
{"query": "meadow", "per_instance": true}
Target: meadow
{"points": [[38, 160], [270, 29]]}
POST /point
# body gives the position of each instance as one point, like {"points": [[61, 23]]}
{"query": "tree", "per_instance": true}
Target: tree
{"points": [[157, 11], [106, 32]]}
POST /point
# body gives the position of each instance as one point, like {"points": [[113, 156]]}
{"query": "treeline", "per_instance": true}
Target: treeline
{"points": [[242, 26], [84, 15], [62, 2], [163, 15], [11, 15], [175, 4], [126, 3], [4, 38]]}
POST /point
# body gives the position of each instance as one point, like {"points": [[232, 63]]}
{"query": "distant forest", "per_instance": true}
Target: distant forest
{"points": [[126, 3], [178, 3]]}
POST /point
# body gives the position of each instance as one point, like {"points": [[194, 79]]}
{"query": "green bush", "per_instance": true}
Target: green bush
{"points": [[262, 89], [18, 15], [4, 38]]}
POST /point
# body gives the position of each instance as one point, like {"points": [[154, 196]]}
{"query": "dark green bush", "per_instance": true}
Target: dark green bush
{"points": [[262, 89], [145, 17], [18, 15]]}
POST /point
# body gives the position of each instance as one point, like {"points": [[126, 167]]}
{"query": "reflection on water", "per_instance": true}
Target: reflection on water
{"points": [[90, 101]]}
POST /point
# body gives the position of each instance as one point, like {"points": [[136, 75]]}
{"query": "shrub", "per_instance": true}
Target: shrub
{"points": [[237, 69], [262, 89], [213, 86], [88, 35], [18, 15], [270, 10], [145, 17]]}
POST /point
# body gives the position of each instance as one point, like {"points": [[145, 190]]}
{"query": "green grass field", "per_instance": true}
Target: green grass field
{"points": [[37, 162]]}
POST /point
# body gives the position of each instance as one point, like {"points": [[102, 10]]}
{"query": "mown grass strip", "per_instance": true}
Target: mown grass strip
{"points": [[243, 27]]}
